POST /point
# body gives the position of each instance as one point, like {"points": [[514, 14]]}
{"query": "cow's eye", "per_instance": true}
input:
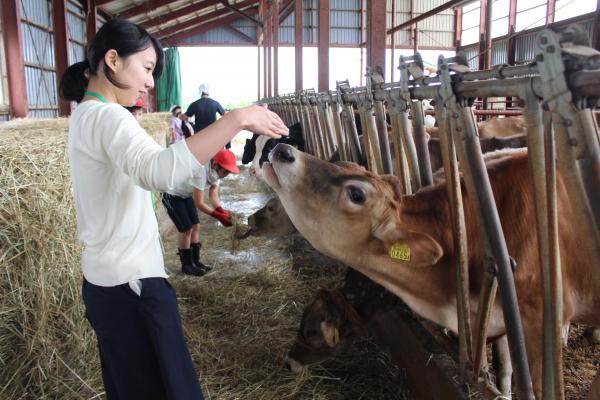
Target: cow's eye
{"points": [[356, 195], [270, 208]]}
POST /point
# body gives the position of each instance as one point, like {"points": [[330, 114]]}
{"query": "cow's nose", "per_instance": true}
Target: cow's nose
{"points": [[284, 152]]}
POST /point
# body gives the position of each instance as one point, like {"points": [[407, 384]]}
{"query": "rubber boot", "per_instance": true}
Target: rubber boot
{"points": [[196, 257], [187, 263]]}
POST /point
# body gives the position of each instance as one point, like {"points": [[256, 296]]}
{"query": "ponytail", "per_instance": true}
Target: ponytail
{"points": [[74, 81]]}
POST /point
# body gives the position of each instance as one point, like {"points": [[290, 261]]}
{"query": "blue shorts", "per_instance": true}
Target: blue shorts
{"points": [[182, 211]]}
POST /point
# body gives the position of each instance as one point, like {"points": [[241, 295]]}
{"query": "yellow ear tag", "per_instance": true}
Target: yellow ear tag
{"points": [[336, 336], [400, 251]]}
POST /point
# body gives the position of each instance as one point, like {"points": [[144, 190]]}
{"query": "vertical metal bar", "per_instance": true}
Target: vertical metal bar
{"points": [[478, 183], [367, 149], [393, 40], [61, 48], [323, 45], [299, 41], [275, 24], [91, 22], [366, 108], [318, 130], [339, 131], [401, 164], [411, 151], [420, 138], [384, 141], [538, 170], [13, 45], [327, 134], [355, 147], [459, 233], [555, 321]]}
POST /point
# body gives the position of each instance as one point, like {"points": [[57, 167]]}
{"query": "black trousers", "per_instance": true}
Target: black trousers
{"points": [[142, 349]]}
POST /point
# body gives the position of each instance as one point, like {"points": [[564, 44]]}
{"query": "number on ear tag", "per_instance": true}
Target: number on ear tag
{"points": [[400, 251]]}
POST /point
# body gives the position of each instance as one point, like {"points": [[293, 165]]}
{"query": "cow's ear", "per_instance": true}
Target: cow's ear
{"points": [[408, 247], [331, 333]]}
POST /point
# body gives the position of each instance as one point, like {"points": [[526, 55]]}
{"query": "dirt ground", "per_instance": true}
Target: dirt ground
{"points": [[241, 318]]}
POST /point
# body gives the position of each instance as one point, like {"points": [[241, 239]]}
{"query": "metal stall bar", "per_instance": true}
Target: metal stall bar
{"points": [[415, 68], [478, 184], [399, 115], [401, 163], [578, 148], [460, 237], [313, 113], [339, 130], [541, 175], [327, 123], [375, 81]]}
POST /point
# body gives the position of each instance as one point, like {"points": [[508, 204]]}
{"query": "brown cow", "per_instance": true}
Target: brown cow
{"points": [[494, 127], [405, 243], [334, 319], [271, 220]]}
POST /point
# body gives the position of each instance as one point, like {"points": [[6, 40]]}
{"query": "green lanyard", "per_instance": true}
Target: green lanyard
{"points": [[96, 95], [102, 99]]}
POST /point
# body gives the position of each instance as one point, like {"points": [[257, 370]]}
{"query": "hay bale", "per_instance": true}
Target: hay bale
{"points": [[47, 350]]}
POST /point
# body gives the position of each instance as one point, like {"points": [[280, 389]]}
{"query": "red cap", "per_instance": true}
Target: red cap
{"points": [[140, 103], [226, 159]]}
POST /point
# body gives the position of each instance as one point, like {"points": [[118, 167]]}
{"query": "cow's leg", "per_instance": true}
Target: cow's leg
{"points": [[532, 329], [594, 393], [502, 365]]}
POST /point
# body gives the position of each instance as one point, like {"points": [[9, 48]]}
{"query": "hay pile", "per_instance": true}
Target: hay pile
{"points": [[46, 349]]}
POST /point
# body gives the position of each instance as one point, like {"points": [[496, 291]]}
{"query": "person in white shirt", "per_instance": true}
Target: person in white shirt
{"points": [[182, 205], [114, 164]]}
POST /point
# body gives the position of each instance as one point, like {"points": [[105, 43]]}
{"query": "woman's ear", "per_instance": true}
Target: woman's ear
{"points": [[111, 59]]}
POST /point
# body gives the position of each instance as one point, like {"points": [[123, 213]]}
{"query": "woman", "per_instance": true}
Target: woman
{"points": [[129, 303], [175, 124]]}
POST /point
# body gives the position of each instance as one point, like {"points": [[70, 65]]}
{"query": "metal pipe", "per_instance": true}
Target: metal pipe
{"points": [[370, 137], [411, 151], [384, 142], [459, 234], [420, 137], [538, 170], [339, 131], [401, 164], [355, 147], [478, 183], [318, 131]]}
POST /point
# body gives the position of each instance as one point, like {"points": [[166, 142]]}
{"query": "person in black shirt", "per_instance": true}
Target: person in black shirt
{"points": [[204, 110]]}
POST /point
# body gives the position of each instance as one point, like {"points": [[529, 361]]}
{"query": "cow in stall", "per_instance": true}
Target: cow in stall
{"points": [[405, 242], [493, 128], [336, 318], [256, 149]]}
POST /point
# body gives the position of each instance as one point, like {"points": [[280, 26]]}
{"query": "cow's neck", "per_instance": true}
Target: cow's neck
{"points": [[429, 291]]}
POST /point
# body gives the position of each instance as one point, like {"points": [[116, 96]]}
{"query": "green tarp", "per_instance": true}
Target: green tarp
{"points": [[168, 86]]}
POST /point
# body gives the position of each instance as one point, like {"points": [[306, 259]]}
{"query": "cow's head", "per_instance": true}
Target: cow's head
{"points": [[347, 212], [328, 326], [271, 220]]}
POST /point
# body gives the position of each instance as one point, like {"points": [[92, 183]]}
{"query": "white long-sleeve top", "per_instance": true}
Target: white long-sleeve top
{"points": [[113, 164]]}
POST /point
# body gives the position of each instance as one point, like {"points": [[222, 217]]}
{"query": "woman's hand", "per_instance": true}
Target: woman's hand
{"points": [[260, 120]]}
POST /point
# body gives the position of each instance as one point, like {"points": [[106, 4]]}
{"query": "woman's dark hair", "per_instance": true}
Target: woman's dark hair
{"points": [[123, 36]]}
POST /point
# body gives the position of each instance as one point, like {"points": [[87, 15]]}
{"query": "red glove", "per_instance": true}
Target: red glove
{"points": [[223, 211], [225, 219]]}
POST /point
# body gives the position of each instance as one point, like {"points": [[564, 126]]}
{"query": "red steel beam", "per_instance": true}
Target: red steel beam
{"points": [[275, 26], [61, 48], [323, 52], [240, 34], [242, 13], [142, 8], [103, 2], [194, 22], [286, 10], [13, 45], [161, 19], [299, 42], [175, 40], [376, 34], [268, 46], [550, 8], [91, 21], [423, 16], [458, 17], [512, 22], [596, 36]]}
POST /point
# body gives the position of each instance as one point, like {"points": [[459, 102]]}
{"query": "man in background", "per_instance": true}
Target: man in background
{"points": [[204, 110]]}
